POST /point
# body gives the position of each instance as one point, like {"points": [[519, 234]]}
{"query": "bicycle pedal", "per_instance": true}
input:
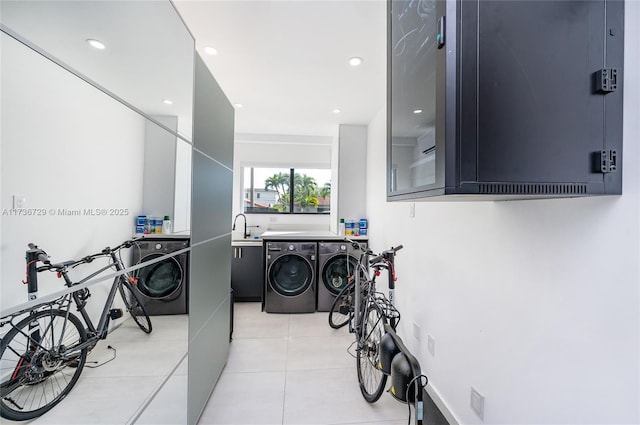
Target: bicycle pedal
{"points": [[115, 313]]}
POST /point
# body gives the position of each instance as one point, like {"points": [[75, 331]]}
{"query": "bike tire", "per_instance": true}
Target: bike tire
{"points": [[370, 376], [341, 311], [134, 306], [34, 379]]}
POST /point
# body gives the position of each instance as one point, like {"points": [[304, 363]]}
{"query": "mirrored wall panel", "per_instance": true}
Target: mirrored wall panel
{"points": [[91, 92], [141, 51]]}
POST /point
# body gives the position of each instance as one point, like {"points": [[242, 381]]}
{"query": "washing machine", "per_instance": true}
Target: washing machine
{"points": [[336, 262], [290, 283], [162, 286]]}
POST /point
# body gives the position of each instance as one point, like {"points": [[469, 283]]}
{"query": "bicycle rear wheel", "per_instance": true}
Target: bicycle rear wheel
{"points": [[341, 310], [370, 376], [134, 306], [34, 376]]}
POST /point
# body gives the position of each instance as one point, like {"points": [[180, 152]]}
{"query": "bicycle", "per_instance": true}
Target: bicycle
{"points": [[367, 311], [43, 355], [380, 351]]}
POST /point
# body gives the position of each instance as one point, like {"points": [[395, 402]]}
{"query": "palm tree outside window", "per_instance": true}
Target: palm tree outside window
{"points": [[286, 191]]}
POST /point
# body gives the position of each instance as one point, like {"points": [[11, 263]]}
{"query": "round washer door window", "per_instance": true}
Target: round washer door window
{"points": [[290, 275], [336, 272], [159, 280]]}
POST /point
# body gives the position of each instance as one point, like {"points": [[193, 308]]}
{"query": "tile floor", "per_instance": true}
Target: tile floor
{"points": [[282, 369], [117, 392], [292, 369]]}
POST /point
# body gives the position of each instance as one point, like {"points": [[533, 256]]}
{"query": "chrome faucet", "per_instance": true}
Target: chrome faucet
{"points": [[245, 234]]}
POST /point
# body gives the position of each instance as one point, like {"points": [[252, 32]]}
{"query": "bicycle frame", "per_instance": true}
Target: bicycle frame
{"points": [[99, 332], [45, 349], [95, 333], [388, 265]]}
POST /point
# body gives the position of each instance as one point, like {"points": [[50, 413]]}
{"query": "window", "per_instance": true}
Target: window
{"points": [[286, 190]]}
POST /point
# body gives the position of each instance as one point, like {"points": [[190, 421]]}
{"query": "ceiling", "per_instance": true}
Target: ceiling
{"points": [[287, 62]]}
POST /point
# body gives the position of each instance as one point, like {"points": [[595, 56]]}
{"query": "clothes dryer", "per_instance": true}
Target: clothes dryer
{"points": [[290, 283], [162, 286], [336, 262]]}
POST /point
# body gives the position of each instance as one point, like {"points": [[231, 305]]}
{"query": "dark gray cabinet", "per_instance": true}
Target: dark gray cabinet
{"points": [[247, 276], [504, 98]]}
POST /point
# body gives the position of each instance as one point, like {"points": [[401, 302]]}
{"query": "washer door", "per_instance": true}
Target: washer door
{"points": [[336, 272], [161, 280], [290, 275]]}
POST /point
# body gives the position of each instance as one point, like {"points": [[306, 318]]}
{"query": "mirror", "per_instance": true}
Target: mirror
{"points": [[147, 58], [72, 144]]}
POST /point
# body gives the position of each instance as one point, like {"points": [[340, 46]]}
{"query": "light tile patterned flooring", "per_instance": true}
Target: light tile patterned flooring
{"points": [[288, 369], [292, 369], [115, 392]]}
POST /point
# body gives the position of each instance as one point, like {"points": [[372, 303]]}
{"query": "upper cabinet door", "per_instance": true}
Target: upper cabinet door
{"points": [[504, 99], [412, 46]]}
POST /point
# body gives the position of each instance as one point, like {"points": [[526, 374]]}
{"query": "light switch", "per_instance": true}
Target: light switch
{"points": [[19, 201]]}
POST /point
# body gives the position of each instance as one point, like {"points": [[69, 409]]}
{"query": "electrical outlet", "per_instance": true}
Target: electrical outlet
{"points": [[416, 331], [477, 403], [19, 202], [412, 209], [273, 219], [431, 345]]}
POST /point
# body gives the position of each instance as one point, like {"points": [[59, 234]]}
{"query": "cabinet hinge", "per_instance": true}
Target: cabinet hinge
{"points": [[606, 80], [606, 161]]}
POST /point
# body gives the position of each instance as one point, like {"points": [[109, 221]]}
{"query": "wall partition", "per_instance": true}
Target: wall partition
{"points": [[210, 303], [88, 90]]}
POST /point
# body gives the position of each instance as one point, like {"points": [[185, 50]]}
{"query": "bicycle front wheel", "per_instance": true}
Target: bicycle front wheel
{"points": [[341, 310], [134, 306], [35, 373], [370, 376]]}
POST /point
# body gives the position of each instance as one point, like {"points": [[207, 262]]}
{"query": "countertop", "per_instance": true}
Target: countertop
{"points": [[306, 235], [247, 242], [177, 235]]}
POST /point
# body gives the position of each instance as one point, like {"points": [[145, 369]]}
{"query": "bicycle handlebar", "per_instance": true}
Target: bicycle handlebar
{"points": [[42, 256], [388, 254]]}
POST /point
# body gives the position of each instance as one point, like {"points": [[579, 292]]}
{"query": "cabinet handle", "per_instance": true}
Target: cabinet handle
{"points": [[239, 252]]}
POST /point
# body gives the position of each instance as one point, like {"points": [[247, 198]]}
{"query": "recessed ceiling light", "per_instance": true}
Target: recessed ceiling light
{"points": [[167, 102], [238, 105], [96, 44], [210, 50], [417, 111], [336, 111], [355, 61]]}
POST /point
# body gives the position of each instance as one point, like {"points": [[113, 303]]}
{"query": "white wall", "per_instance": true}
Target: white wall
{"points": [[279, 151], [64, 145], [351, 171], [533, 303]]}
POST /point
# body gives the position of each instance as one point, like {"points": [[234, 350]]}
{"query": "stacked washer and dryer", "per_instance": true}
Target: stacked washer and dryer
{"points": [[304, 277], [163, 285]]}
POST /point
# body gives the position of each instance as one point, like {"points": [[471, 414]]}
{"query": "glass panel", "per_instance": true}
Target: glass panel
{"points": [[413, 94], [290, 275], [159, 280], [335, 275], [266, 190], [312, 191]]}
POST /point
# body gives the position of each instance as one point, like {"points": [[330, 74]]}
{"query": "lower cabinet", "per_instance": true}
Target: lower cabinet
{"points": [[247, 277]]}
